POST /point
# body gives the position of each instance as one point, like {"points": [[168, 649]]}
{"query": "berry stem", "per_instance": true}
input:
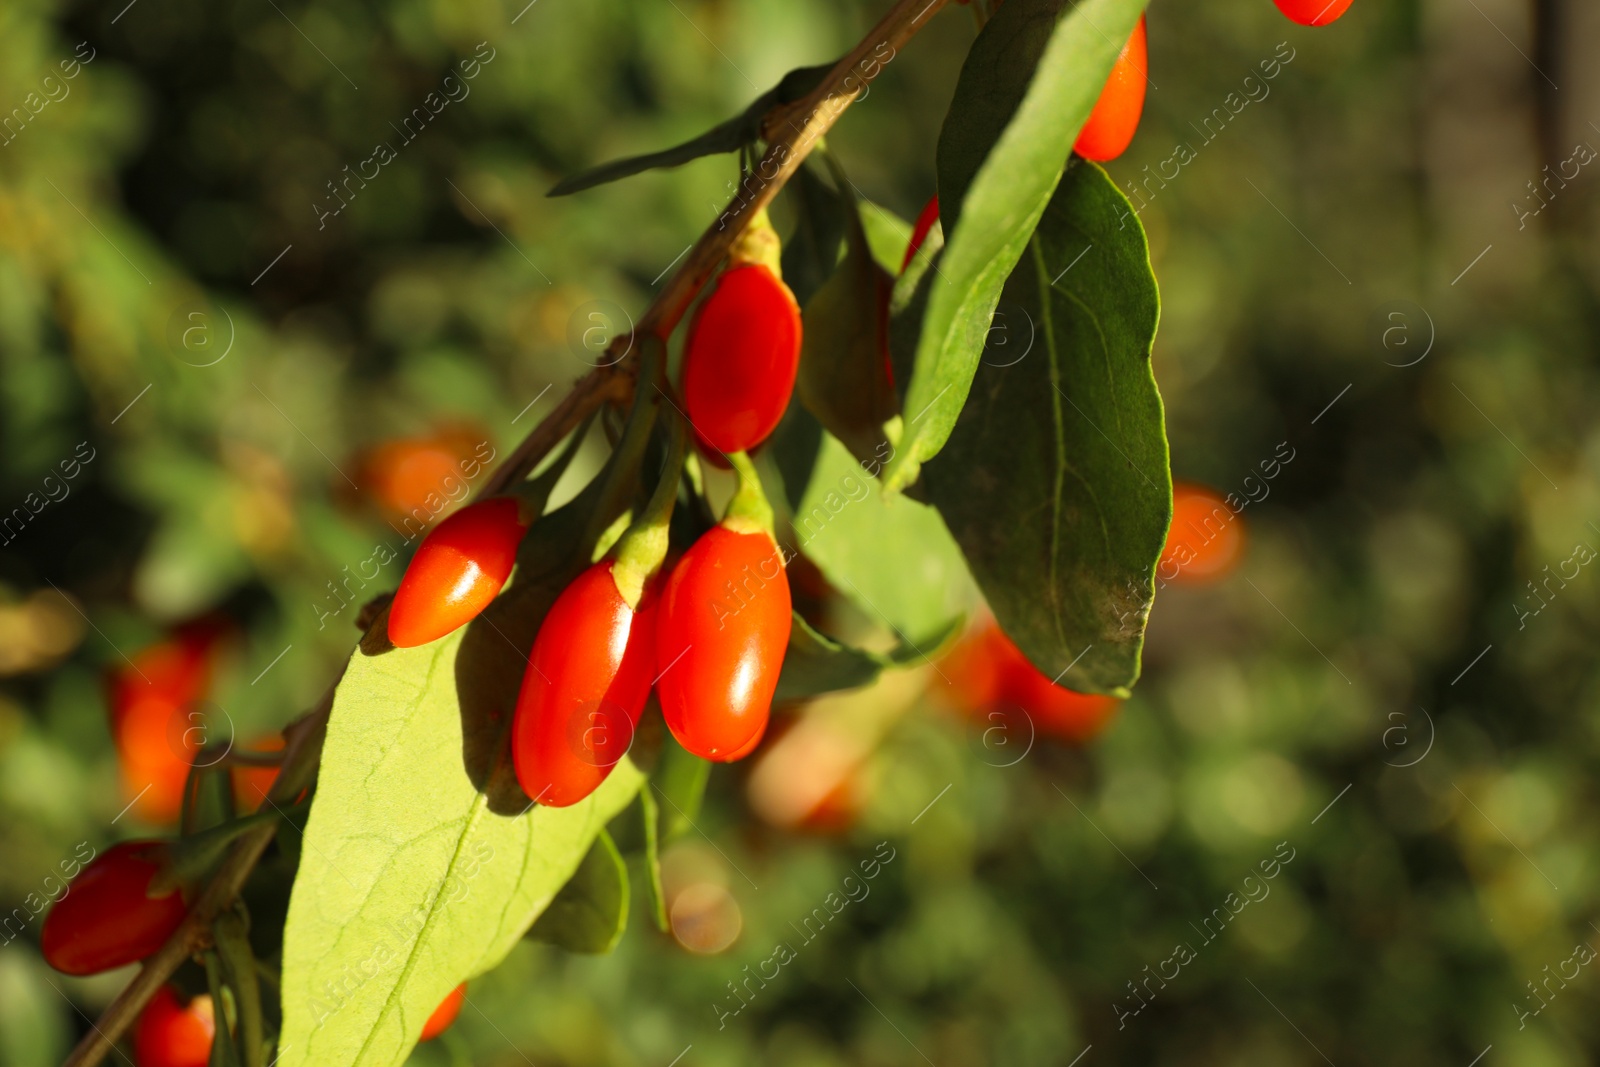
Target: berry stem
{"points": [[622, 470], [748, 511], [638, 555]]}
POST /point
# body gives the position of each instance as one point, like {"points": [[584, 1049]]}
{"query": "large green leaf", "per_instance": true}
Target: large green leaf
{"points": [[1055, 482], [1028, 84], [409, 883], [728, 136]]}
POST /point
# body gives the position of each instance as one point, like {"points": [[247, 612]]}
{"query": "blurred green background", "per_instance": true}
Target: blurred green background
{"points": [[1371, 685]]}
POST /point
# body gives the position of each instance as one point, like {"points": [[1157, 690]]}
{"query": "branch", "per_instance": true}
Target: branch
{"points": [[792, 131]]}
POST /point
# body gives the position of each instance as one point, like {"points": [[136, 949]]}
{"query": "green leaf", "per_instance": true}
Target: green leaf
{"points": [[728, 136], [591, 911], [1028, 84], [844, 370], [892, 557], [1055, 482], [816, 664], [411, 881]]}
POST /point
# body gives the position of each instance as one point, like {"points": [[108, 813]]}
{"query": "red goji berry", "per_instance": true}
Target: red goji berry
{"points": [[741, 359], [444, 1014], [584, 689], [171, 1033], [456, 573], [106, 919], [920, 230], [1115, 117], [1313, 12], [721, 633]]}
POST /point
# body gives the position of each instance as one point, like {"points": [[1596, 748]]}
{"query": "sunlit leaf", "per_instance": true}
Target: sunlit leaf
{"points": [[1028, 84]]}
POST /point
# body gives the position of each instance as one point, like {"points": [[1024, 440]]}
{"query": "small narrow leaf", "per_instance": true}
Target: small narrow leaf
{"points": [[591, 911], [679, 783], [811, 251], [1055, 482], [817, 664], [1028, 84], [727, 136], [650, 814], [844, 377]]}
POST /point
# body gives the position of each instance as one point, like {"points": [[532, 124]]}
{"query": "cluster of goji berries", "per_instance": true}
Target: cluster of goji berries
{"points": [[628, 623]]}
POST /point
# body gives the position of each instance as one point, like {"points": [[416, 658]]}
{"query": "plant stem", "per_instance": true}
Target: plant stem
{"points": [[792, 131]]}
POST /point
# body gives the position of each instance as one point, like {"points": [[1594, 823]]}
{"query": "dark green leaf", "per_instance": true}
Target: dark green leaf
{"points": [[591, 911], [728, 136], [224, 1052], [1028, 84], [232, 934], [1055, 482]]}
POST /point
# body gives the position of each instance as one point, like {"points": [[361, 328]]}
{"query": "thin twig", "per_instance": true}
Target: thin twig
{"points": [[792, 131]]}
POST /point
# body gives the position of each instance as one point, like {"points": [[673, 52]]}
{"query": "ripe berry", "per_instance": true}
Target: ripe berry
{"points": [[1115, 117], [1313, 12], [173, 1034], [444, 1014], [1205, 539], [721, 633], [584, 689], [742, 355], [920, 230], [457, 572], [106, 920]]}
